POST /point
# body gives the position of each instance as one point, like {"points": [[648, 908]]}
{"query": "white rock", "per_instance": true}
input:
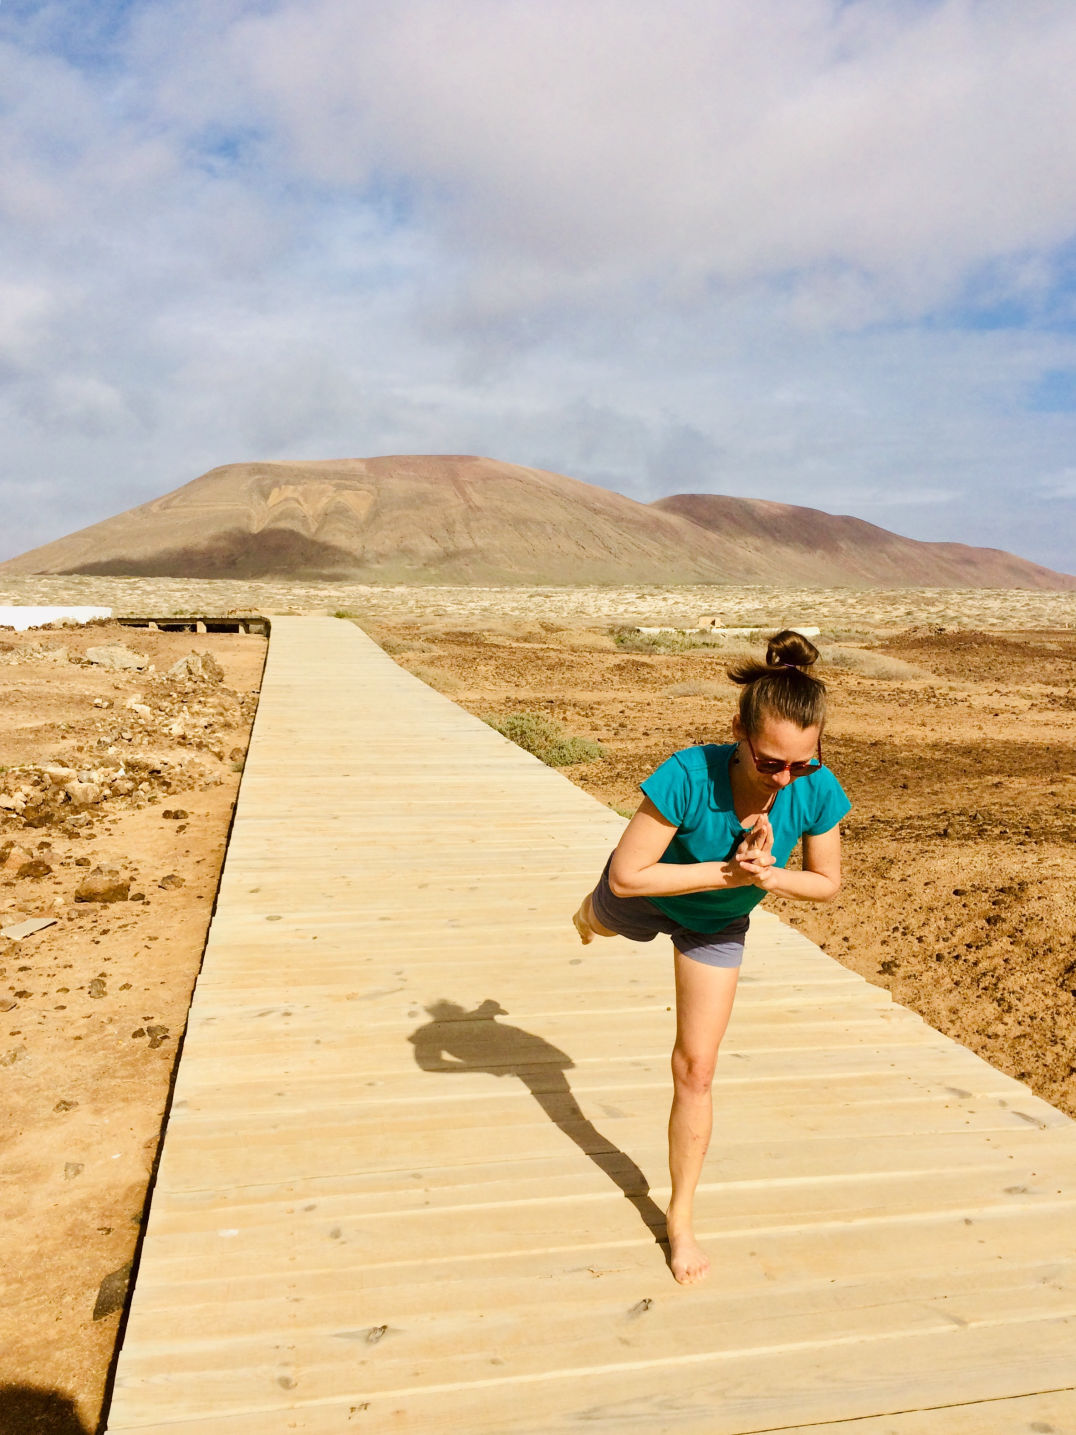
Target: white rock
{"points": [[197, 665], [117, 656], [84, 794]]}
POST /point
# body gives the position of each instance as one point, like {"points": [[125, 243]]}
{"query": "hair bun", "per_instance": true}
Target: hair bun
{"points": [[789, 649]]}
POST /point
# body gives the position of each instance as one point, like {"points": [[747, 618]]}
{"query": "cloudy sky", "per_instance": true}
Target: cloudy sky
{"points": [[821, 251]]}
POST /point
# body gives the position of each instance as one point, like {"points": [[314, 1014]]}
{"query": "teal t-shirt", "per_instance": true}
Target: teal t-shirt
{"points": [[692, 789]]}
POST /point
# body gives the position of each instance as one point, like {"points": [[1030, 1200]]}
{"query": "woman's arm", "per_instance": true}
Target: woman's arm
{"points": [[820, 878], [637, 869]]}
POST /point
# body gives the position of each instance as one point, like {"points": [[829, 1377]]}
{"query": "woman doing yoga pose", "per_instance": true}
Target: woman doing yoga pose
{"points": [[711, 838]]}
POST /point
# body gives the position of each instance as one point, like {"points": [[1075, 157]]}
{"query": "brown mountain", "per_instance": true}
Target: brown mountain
{"points": [[438, 519], [815, 548]]}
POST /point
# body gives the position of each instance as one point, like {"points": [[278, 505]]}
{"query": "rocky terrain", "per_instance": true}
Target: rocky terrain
{"points": [[464, 519], [843, 609], [121, 753]]}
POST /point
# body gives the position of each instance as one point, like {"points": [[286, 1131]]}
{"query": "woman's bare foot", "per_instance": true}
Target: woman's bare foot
{"points": [[688, 1262], [582, 926]]}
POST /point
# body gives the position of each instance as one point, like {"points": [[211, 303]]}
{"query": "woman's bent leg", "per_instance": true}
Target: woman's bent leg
{"points": [[587, 924], [704, 997]]}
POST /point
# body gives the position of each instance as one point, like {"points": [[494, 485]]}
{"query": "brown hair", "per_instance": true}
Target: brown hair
{"points": [[781, 686]]}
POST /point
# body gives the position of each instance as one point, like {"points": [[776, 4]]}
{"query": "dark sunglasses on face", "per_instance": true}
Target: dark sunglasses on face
{"points": [[771, 765]]}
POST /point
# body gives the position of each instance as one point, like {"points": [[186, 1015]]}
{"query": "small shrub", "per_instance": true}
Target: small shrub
{"points": [[698, 688], [397, 646], [443, 682], [546, 739], [630, 640], [872, 665]]}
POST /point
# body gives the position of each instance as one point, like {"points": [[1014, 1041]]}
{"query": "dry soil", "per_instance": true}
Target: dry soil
{"points": [[92, 1008]]}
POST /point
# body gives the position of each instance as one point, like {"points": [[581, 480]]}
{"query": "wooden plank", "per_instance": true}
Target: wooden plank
{"points": [[1052, 1413], [341, 1239], [716, 1392]]}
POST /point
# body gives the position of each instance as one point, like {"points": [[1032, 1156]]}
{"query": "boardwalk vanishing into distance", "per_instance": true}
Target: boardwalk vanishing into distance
{"points": [[414, 1169]]}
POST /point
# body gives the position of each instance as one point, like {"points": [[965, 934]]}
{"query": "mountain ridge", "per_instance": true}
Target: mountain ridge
{"points": [[462, 518]]}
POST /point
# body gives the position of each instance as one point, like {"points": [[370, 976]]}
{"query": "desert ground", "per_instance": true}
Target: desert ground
{"points": [[116, 782], [951, 729]]}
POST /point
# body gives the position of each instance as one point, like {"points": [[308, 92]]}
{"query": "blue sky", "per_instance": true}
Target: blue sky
{"points": [[803, 250]]}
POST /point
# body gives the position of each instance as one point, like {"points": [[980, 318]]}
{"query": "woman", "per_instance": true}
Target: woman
{"points": [[716, 826]]}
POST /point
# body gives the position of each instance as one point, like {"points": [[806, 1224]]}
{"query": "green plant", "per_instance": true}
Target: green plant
{"points": [[689, 640], [546, 739], [631, 640]]}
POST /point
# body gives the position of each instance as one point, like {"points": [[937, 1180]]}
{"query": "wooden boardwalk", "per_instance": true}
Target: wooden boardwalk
{"points": [[403, 1186]]}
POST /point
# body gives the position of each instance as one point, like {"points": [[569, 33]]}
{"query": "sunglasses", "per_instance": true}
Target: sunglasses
{"points": [[771, 766]]}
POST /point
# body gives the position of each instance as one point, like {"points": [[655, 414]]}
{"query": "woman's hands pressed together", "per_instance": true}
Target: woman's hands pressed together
{"points": [[753, 862]]}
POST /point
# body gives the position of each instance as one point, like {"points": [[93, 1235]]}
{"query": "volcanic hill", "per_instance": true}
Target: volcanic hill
{"points": [[462, 519]]}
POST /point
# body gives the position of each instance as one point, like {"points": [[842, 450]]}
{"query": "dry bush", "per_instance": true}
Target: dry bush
{"points": [[396, 646], [872, 665], [443, 682], [586, 640], [697, 688]]}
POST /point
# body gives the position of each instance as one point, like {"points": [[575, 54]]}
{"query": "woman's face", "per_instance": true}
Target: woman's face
{"points": [[777, 740]]}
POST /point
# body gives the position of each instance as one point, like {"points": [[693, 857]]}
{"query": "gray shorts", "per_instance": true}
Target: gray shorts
{"points": [[638, 919]]}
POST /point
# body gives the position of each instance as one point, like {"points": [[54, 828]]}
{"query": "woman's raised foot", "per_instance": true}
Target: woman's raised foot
{"points": [[582, 926]]}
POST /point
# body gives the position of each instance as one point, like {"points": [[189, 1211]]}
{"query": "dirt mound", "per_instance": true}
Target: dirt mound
{"points": [[469, 520]]}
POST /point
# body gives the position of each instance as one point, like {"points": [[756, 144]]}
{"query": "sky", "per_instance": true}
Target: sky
{"points": [[817, 251]]}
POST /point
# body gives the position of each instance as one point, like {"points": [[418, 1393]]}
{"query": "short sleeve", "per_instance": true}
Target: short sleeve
{"points": [[668, 788], [830, 806]]}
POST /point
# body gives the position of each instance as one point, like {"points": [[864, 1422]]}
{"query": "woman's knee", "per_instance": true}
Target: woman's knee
{"points": [[597, 927], [693, 1071]]}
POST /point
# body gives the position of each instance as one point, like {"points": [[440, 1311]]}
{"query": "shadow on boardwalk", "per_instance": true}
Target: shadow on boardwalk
{"points": [[460, 1040]]}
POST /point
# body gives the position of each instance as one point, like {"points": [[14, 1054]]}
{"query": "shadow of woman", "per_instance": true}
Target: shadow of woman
{"points": [[31, 1410], [456, 1039]]}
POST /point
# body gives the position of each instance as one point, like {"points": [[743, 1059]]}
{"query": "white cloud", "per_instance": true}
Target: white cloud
{"points": [[739, 247], [736, 141]]}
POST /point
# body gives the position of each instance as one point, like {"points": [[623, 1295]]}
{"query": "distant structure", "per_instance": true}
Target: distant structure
{"points": [[21, 618]]}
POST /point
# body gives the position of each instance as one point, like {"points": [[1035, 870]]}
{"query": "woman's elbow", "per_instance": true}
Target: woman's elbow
{"points": [[833, 888], [622, 884]]}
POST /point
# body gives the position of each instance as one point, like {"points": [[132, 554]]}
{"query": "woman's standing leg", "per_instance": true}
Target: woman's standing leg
{"points": [[704, 997]]}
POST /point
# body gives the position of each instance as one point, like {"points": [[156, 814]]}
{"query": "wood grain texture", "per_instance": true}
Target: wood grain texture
{"points": [[413, 1168]]}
